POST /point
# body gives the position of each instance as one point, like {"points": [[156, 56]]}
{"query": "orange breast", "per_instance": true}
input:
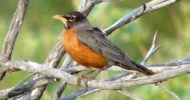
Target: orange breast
{"points": [[81, 53]]}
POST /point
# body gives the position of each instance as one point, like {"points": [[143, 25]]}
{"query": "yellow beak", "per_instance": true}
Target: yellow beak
{"points": [[59, 17]]}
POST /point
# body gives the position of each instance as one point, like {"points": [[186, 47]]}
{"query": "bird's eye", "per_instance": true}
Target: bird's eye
{"points": [[72, 18]]}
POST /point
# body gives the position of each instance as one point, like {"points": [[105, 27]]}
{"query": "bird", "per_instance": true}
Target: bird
{"points": [[90, 47]]}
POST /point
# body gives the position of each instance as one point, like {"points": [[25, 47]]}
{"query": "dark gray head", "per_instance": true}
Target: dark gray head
{"points": [[72, 19]]}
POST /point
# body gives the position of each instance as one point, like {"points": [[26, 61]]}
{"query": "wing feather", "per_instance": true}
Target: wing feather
{"points": [[98, 42]]}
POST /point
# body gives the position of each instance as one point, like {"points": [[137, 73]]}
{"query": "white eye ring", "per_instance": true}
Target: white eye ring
{"points": [[73, 17]]}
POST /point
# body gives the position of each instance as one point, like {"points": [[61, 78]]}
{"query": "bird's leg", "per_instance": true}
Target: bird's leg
{"points": [[100, 70], [93, 77], [89, 79], [86, 79], [89, 72]]}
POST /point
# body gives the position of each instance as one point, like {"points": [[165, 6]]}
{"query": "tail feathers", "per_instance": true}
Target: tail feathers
{"points": [[143, 69], [137, 67]]}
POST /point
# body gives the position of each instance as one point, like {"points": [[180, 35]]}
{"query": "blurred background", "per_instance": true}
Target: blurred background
{"points": [[40, 32]]}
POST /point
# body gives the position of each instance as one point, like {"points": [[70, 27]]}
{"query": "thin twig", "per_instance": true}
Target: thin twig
{"points": [[168, 91], [152, 50], [23, 80], [132, 96]]}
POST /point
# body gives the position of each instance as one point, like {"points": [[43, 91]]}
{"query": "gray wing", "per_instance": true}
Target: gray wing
{"points": [[98, 42]]}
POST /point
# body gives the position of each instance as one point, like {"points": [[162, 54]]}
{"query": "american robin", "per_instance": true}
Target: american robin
{"points": [[89, 47]]}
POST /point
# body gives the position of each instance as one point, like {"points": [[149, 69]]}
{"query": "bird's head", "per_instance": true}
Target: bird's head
{"points": [[72, 19]]}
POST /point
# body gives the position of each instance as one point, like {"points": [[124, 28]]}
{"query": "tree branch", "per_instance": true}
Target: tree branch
{"points": [[84, 92], [25, 88], [12, 33], [145, 8], [52, 72], [124, 82], [14, 28]]}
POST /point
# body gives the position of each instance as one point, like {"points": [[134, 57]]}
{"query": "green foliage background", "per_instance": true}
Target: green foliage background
{"points": [[40, 32]]}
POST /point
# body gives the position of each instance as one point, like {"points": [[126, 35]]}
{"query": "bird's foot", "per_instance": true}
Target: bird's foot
{"points": [[83, 80]]}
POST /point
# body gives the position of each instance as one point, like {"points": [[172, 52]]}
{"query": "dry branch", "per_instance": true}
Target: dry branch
{"points": [[52, 72], [12, 33], [36, 68]]}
